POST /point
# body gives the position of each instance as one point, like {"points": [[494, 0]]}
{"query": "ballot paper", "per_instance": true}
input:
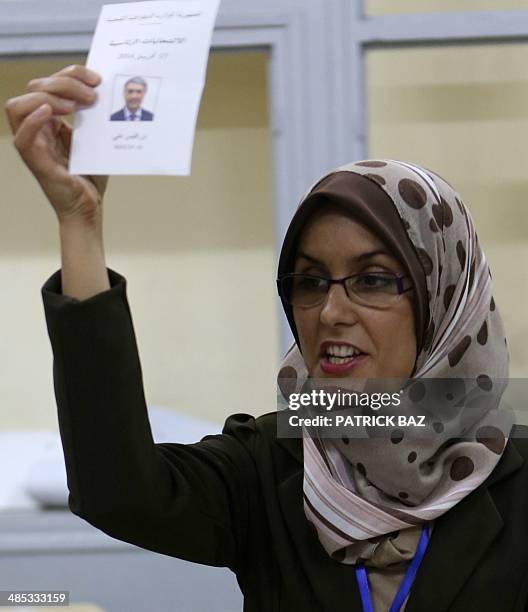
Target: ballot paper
{"points": [[152, 57]]}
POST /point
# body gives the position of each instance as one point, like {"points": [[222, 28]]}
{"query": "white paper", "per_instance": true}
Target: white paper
{"points": [[166, 44]]}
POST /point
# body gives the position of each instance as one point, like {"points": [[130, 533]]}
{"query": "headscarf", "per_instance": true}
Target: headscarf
{"points": [[361, 494]]}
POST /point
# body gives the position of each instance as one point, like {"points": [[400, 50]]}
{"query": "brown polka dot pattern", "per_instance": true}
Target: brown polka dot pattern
{"points": [[372, 164], [482, 336], [442, 214], [458, 352], [492, 304], [448, 295], [438, 215], [417, 391], [403, 495], [461, 468], [412, 457], [461, 254], [412, 193], [425, 260], [396, 436], [361, 469], [471, 273], [447, 213], [376, 178], [433, 226], [484, 382], [492, 438]]}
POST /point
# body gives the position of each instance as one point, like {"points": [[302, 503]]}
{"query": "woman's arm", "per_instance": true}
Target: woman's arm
{"points": [[190, 501], [43, 138]]}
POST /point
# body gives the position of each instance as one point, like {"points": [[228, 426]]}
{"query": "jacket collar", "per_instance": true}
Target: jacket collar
{"points": [[294, 446], [335, 583]]}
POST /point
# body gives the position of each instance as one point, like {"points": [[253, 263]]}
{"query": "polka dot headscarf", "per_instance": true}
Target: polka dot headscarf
{"points": [[361, 493]]}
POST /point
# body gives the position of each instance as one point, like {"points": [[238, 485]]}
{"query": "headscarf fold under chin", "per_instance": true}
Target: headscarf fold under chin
{"points": [[362, 494]]}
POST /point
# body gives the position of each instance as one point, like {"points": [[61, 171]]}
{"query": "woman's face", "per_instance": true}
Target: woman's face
{"points": [[330, 245]]}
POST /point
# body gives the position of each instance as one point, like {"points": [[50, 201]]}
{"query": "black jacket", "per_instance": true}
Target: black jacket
{"points": [[235, 499]]}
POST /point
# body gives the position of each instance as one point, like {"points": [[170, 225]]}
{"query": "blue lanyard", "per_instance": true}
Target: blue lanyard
{"points": [[405, 587]]}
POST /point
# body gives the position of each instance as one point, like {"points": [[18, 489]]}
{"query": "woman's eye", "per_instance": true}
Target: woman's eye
{"points": [[308, 283], [374, 281]]}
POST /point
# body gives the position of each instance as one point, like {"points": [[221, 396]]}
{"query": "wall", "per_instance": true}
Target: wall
{"points": [[382, 7]]}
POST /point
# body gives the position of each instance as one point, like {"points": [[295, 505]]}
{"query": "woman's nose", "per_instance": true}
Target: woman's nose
{"points": [[338, 308]]}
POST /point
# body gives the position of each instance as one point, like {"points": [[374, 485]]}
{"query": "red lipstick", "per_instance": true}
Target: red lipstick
{"points": [[339, 363]]}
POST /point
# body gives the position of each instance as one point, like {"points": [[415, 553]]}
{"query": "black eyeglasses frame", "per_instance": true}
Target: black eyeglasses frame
{"points": [[339, 281]]}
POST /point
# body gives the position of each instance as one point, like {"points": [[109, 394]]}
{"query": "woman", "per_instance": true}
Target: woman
{"points": [[317, 524]]}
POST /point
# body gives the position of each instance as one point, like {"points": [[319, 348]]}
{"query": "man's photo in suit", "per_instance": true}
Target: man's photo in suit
{"points": [[134, 92]]}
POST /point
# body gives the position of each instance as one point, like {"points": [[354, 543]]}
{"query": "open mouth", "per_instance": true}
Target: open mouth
{"points": [[339, 357]]}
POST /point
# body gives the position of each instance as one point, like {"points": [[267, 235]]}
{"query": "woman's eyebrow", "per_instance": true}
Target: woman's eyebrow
{"points": [[362, 257]]}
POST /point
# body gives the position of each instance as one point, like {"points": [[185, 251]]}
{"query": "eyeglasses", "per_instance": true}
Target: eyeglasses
{"points": [[377, 289]]}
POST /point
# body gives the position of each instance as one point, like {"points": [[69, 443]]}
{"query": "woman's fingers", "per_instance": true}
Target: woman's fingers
{"points": [[35, 152], [64, 87], [17, 109], [43, 138], [63, 131], [81, 73], [30, 127], [62, 91]]}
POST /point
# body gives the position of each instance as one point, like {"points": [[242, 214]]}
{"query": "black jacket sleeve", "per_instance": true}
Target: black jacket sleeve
{"points": [[190, 501]]}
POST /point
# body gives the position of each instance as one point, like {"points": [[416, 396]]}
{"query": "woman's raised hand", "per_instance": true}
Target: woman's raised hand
{"points": [[43, 137]]}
